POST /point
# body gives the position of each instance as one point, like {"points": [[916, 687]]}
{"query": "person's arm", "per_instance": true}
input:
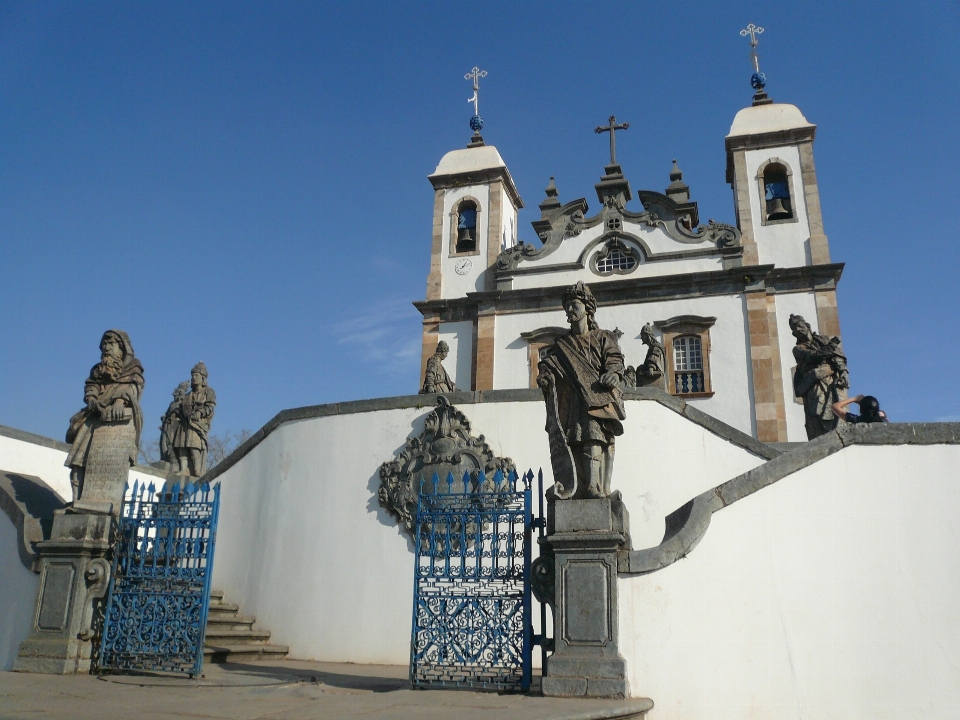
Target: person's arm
{"points": [[838, 407]]}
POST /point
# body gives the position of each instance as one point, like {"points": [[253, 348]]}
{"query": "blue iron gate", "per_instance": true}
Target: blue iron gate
{"points": [[156, 613], [471, 597]]}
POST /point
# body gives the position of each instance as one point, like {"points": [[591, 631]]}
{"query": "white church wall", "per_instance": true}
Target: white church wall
{"points": [[804, 304], [783, 244], [18, 595], [729, 348], [29, 458], [305, 547], [455, 285], [459, 364], [832, 593]]}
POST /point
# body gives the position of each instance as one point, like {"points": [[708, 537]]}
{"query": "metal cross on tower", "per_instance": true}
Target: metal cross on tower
{"points": [[475, 75], [752, 30], [612, 129]]}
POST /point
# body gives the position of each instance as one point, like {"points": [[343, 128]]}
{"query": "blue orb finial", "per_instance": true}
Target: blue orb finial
{"points": [[476, 123], [758, 81]]}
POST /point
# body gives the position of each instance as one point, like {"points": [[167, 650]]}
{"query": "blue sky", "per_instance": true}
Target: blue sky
{"points": [[245, 183]]}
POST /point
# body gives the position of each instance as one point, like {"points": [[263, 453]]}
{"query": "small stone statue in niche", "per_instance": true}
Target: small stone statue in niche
{"points": [[169, 423], [651, 372], [820, 376], [105, 435], [193, 428], [581, 376], [435, 378]]}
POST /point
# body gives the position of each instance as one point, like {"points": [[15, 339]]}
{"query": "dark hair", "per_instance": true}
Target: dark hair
{"points": [[870, 410]]}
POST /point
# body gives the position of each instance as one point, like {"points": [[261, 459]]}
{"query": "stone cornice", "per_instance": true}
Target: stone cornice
{"points": [[686, 526], [479, 177], [778, 138], [646, 289]]}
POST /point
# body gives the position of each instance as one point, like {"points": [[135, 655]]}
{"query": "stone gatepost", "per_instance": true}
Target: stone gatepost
{"points": [[73, 577], [584, 537]]}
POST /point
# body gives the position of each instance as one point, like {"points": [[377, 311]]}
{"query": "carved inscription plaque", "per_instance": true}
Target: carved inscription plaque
{"points": [[585, 595], [57, 587], [108, 463]]}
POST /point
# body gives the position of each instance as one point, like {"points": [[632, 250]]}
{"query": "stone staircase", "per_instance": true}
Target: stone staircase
{"points": [[231, 637]]}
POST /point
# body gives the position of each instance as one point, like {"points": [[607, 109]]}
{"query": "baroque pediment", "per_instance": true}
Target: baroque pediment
{"points": [[445, 447]]}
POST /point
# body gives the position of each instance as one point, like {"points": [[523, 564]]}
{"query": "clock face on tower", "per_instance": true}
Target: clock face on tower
{"points": [[463, 266]]}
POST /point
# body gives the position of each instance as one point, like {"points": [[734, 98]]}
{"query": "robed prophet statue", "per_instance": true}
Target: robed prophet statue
{"points": [[105, 435], [581, 376]]}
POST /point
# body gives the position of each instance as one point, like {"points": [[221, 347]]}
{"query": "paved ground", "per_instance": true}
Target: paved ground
{"points": [[278, 691]]}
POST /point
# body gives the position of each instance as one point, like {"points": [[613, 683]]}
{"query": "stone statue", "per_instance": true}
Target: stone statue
{"points": [[105, 435], [820, 376], [581, 375], [651, 372], [435, 378], [193, 428], [169, 423]]}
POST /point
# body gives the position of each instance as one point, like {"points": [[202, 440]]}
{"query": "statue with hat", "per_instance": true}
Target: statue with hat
{"points": [[435, 378], [195, 415], [581, 376]]}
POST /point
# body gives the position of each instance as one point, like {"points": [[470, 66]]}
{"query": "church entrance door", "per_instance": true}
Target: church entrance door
{"points": [[156, 610], [471, 598]]}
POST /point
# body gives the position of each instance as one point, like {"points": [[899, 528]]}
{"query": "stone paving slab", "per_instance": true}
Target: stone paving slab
{"points": [[282, 690]]}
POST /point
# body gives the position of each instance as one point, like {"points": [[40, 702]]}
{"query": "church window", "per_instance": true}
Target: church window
{"points": [[688, 364], [615, 258], [466, 227], [775, 188], [686, 340]]}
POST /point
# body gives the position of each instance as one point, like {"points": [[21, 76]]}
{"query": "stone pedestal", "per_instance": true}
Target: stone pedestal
{"points": [[74, 575], [584, 537]]}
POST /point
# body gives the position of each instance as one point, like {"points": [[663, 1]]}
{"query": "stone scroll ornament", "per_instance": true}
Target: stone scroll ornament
{"points": [[581, 376], [445, 447]]}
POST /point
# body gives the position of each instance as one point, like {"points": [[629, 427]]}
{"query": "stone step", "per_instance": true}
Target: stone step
{"points": [[221, 609], [229, 652], [218, 634], [231, 638], [230, 622]]}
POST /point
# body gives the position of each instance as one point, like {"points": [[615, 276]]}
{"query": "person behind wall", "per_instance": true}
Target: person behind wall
{"points": [[870, 411]]}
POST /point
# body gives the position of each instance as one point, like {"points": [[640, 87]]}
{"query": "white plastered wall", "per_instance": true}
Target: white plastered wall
{"points": [[459, 364], [305, 547], [29, 458], [729, 348], [805, 304], [784, 244], [832, 593]]}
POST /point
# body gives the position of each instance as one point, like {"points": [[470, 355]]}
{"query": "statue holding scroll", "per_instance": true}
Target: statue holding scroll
{"points": [[105, 434], [581, 376]]}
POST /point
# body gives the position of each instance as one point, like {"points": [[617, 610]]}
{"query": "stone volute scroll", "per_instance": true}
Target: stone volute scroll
{"points": [[435, 378], [581, 376], [446, 446]]}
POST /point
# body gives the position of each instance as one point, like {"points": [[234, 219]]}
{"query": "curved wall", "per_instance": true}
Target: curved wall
{"points": [[832, 593]]}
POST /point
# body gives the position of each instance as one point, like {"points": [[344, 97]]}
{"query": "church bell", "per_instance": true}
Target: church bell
{"points": [[778, 211]]}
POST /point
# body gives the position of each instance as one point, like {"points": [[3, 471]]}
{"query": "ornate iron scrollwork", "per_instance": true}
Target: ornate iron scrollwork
{"points": [[445, 446]]}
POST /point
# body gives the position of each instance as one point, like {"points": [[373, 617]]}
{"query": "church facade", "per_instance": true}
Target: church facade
{"points": [[718, 295]]}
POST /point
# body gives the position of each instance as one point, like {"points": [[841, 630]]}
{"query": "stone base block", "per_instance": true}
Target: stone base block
{"points": [[54, 656], [611, 668], [69, 524], [585, 687]]}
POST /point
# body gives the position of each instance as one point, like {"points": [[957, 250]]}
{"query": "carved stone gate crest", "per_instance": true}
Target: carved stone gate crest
{"points": [[444, 447]]}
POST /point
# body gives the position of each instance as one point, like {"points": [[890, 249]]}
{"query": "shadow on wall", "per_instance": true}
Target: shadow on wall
{"points": [[39, 501]]}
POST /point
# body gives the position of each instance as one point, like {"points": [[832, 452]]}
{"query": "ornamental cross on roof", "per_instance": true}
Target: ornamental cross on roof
{"points": [[475, 75], [752, 30], [612, 128]]}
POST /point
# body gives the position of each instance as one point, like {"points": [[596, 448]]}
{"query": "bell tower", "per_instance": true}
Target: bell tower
{"points": [[475, 211]]}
